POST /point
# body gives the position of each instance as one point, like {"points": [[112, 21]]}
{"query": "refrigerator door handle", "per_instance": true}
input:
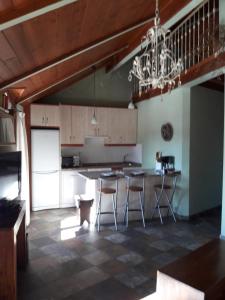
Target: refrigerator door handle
{"points": [[46, 172]]}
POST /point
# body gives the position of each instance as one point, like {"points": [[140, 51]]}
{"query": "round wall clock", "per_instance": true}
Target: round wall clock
{"points": [[167, 132]]}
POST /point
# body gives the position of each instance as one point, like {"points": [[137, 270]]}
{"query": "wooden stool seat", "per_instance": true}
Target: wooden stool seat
{"points": [[136, 184], [107, 186], [107, 190], [135, 188], [159, 186]]}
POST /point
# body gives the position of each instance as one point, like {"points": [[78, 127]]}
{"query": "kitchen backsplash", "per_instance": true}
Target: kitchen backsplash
{"points": [[94, 151]]}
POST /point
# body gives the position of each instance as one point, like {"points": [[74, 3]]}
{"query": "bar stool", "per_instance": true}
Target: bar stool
{"points": [[166, 188], [105, 187], [135, 184]]}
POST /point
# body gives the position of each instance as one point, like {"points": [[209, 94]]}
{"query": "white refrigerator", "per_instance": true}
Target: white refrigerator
{"points": [[45, 157]]}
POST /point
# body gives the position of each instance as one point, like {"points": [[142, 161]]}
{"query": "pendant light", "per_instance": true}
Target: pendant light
{"points": [[94, 119], [131, 103]]}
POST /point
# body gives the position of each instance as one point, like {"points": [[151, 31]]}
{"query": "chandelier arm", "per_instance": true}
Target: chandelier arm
{"points": [[157, 66]]}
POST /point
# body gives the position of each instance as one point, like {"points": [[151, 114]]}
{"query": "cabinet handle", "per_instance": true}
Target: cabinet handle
{"points": [[43, 120], [98, 131], [46, 120]]}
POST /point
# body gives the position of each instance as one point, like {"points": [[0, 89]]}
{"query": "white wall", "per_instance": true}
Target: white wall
{"points": [[173, 108], [94, 151], [206, 149]]}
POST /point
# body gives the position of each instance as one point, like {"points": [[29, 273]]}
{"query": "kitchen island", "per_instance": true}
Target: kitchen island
{"points": [[91, 192]]}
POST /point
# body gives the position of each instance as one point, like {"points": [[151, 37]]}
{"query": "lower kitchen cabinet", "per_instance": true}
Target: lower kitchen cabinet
{"points": [[72, 186]]}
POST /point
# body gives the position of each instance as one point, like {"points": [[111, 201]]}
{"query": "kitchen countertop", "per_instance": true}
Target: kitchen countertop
{"points": [[94, 175], [112, 165]]}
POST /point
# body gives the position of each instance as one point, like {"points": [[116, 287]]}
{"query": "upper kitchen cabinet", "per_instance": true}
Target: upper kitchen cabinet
{"points": [[122, 126], [100, 129], [72, 124], [130, 127], [44, 115]]}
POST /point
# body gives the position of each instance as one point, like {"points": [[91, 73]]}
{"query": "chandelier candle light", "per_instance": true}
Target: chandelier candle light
{"points": [[157, 66]]}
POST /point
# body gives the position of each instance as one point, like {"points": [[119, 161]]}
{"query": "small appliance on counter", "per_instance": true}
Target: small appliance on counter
{"points": [[158, 162], [164, 162], [71, 161], [67, 162], [76, 160]]}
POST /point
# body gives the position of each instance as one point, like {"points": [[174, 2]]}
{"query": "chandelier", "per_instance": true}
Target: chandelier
{"points": [[157, 66]]}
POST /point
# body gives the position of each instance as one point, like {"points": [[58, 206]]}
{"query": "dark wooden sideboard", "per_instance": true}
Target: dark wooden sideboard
{"points": [[13, 247], [199, 275]]}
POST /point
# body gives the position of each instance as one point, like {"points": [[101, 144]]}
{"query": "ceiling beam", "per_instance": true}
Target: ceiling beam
{"points": [[71, 55], [70, 76], [17, 16], [133, 50]]}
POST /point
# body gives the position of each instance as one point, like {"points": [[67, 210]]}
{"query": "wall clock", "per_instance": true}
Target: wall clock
{"points": [[167, 132]]}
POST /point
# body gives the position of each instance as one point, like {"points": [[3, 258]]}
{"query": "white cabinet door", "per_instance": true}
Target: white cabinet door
{"points": [[73, 185], [45, 190], [122, 126], [65, 124], [78, 124], [44, 115]]}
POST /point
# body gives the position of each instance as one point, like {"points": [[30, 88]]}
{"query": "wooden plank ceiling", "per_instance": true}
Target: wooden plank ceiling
{"points": [[39, 42]]}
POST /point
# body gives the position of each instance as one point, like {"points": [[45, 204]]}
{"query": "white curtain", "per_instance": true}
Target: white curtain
{"points": [[23, 147]]}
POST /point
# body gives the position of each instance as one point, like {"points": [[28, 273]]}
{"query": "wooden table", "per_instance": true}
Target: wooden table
{"points": [[196, 276], [13, 250]]}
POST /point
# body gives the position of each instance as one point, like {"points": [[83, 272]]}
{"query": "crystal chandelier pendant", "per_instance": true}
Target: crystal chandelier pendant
{"points": [[157, 66]]}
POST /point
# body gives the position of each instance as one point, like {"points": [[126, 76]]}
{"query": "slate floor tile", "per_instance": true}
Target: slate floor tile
{"points": [[113, 267], [90, 277], [104, 265], [164, 258], [97, 257], [117, 238], [43, 241], [162, 245], [112, 289], [116, 250], [131, 278], [131, 258]]}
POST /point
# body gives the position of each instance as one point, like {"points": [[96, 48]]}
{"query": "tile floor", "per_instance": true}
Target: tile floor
{"points": [[67, 261]]}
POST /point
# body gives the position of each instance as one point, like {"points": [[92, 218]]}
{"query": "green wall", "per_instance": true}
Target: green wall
{"points": [[112, 89], [173, 108], [206, 149]]}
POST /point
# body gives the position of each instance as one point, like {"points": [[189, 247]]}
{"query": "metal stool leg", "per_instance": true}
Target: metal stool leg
{"points": [[99, 211], [114, 211], [170, 207], [141, 205], [158, 198], [127, 209]]}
